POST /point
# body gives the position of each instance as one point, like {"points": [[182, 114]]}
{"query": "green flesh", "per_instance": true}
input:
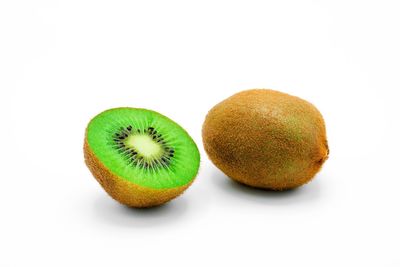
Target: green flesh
{"points": [[144, 147]]}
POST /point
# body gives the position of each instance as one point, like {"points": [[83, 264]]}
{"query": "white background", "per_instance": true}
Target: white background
{"points": [[62, 62]]}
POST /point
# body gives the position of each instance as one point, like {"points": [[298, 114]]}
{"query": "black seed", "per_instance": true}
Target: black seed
{"points": [[155, 132], [171, 151], [154, 137], [129, 128], [171, 155]]}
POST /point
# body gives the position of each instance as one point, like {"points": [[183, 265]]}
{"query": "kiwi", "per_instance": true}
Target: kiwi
{"points": [[140, 157], [266, 139]]}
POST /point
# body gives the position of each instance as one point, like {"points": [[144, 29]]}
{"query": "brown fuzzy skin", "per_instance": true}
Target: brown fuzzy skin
{"points": [[266, 139], [126, 192]]}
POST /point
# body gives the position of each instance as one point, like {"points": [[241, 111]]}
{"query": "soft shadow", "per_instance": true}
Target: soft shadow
{"points": [[305, 193], [113, 213]]}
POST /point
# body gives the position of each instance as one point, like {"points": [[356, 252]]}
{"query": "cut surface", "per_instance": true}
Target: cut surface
{"points": [[143, 147]]}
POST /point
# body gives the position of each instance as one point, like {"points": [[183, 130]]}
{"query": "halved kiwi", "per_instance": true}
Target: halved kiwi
{"points": [[140, 157]]}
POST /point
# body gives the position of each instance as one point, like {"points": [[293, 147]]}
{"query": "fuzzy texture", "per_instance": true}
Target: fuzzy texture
{"points": [[126, 192], [266, 139]]}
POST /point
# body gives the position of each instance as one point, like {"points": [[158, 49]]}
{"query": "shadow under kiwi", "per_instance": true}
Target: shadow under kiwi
{"points": [[308, 192], [113, 213]]}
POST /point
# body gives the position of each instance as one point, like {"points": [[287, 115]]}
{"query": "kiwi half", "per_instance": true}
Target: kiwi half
{"points": [[140, 157], [267, 139]]}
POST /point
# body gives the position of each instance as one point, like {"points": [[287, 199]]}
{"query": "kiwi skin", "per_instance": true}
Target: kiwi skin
{"points": [[266, 139], [125, 192]]}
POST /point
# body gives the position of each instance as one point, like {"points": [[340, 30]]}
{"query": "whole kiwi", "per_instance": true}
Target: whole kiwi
{"points": [[266, 139]]}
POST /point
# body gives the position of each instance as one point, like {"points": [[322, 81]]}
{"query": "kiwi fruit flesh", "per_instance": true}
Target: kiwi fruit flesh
{"points": [[140, 157], [266, 139]]}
